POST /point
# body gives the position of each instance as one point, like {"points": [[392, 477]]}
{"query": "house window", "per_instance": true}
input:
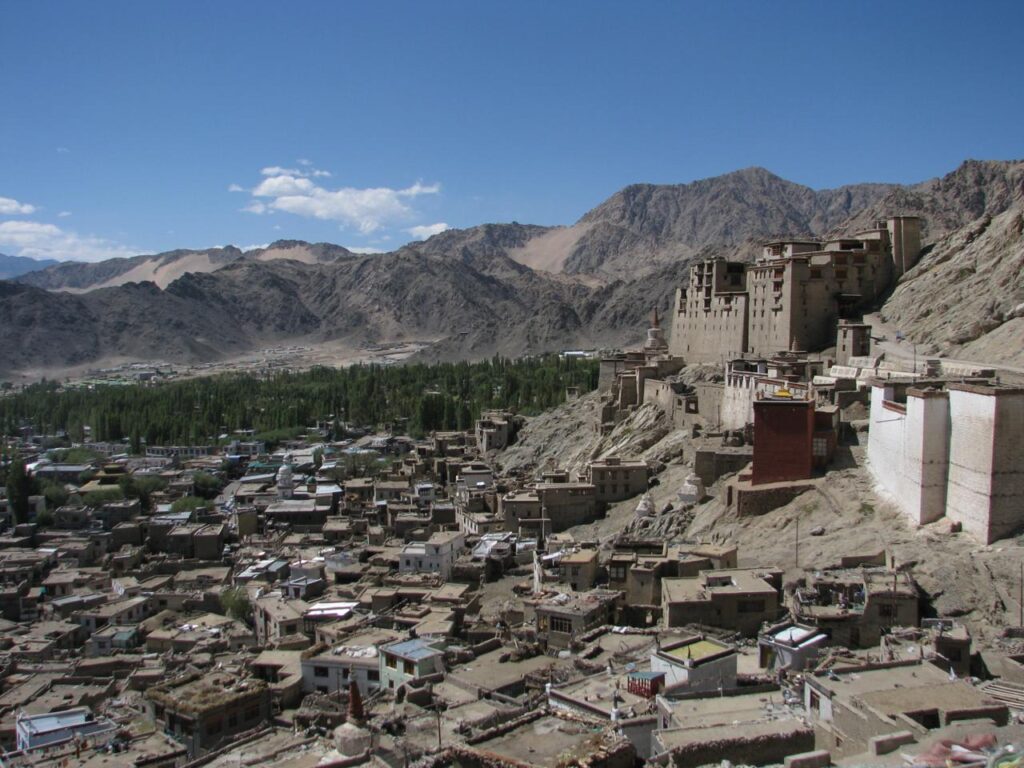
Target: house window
{"points": [[214, 726], [373, 675], [253, 713], [391, 662], [559, 624], [319, 671], [232, 720], [410, 668], [750, 606]]}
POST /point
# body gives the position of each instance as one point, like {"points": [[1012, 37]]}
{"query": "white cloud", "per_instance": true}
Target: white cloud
{"points": [[277, 170], [11, 207], [236, 188], [48, 241], [292, 191], [419, 188], [259, 247], [362, 249], [278, 186], [305, 172], [63, 150], [64, 214], [423, 231]]}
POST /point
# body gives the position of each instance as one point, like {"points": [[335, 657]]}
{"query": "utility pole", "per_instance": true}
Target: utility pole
{"points": [[796, 543], [437, 710], [892, 619], [1020, 602]]}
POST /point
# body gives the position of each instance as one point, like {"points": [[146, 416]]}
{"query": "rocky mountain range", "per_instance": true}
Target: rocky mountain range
{"points": [[15, 266], [508, 288]]}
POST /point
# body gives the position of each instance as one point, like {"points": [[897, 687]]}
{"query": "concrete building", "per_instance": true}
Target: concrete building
{"points": [[853, 709], [615, 479], [494, 430], [783, 439], [696, 664], [741, 729], [579, 569], [567, 504], [562, 618], [971, 474], [853, 339], [276, 618], [204, 712], [435, 555], [50, 729], [792, 297], [357, 659], [548, 507], [790, 646], [855, 605], [406, 660], [740, 600]]}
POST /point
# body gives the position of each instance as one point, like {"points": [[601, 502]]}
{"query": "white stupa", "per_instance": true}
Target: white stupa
{"points": [[285, 482], [646, 507], [655, 345], [351, 739], [691, 491]]}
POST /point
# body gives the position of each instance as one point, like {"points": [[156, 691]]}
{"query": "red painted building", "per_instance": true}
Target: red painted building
{"points": [[783, 440]]}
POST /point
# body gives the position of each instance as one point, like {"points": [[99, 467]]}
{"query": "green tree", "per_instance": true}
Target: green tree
{"points": [[141, 487], [102, 496], [19, 488], [236, 604], [188, 504], [56, 494], [206, 485]]}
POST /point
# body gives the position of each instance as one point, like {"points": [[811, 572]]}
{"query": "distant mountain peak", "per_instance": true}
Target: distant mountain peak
{"points": [[15, 266]]}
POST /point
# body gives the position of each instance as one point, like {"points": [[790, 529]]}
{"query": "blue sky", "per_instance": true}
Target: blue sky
{"points": [[125, 126]]}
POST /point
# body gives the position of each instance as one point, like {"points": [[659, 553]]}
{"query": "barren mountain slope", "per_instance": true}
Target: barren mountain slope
{"points": [[165, 268], [975, 188], [43, 329], [161, 268], [490, 288], [965, 298], [645, 225]]}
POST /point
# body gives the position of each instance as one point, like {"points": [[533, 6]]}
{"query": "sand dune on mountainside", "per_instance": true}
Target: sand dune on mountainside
{"points": [[153, 271], [548, 252]]}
